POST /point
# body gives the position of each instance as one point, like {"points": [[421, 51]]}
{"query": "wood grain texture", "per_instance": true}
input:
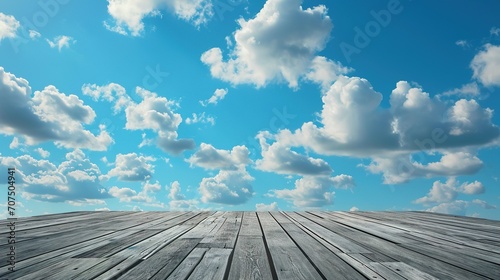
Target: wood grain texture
{"points": [[253, 245]]}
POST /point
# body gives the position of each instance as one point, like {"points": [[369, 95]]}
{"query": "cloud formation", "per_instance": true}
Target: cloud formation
{"points": [[75, 180], [314, 191], [279, 44], [48, 115], [232, 184], [151, 113], [8, 26], [132, 167], [60, 42], [128, 15], [486, 65], [354, 123]]}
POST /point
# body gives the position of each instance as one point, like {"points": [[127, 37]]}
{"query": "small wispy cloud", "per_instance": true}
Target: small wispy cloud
{"points": [[495, 31], [218, 95], [462, 43], [61, 42]]}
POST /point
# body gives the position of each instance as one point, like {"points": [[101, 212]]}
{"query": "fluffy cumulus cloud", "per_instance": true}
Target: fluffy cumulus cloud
{"points": [[76, 180], [354, 123], [486, 65], [8, 26], [227, 187], [178, 200], [112, 92], [132, 167], [442, 196], [279, 44], [47, 115], [209, 157], [128, 15], [267, 207], [146, 196], [314, 191], [156, 113], [151, 113], [280, 159], [401, 169], [61, 42], [232, 184]]}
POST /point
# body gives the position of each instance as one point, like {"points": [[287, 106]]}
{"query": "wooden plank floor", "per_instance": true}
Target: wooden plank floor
{"points": [[252, 245]]}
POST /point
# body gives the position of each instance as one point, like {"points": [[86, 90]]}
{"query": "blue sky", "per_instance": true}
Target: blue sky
{"points": [[251, 105]]}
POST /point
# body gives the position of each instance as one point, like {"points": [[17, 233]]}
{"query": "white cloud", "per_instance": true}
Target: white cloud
{"points": [[261, 207], [218, 95], [8, 26], [314, 191], [75, 180], [227, 187], [61, 42], [458, 207], [354, 123], [486, 65], [209, 157], [484, 204], [112, 92], [178, 200], [42, 152], [34, 34], [447, 192], [128, 15], [200, 118], [401, 169], [440, 192], [48, 115], [145, 196], [132, 167], [102, 209], [15, 143], [462, 43], [175, 191], [280, 159], [495, 31], [325, 72], [156, 113], [354, 209], [470, 89], [475, 187], [280, 44]]}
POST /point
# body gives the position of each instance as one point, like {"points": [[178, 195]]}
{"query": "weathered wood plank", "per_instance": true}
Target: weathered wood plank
{"points": [[213, 265], [162, 263], [330, 265], [250, 259], [187, 266], [289, 261]]}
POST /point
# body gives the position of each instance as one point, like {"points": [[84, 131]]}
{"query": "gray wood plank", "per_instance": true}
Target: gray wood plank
{"points": [[163, 262], [250, 259], [408, 271], [434, 266], [250, 225], [330, 265], [288, 260], [213, 265], [187, 266]]}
